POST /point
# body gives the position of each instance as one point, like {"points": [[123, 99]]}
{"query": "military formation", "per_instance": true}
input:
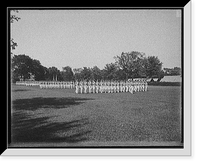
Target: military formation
{"points": [[81, 87], [135, 85], [57, 84], [28, 83]]}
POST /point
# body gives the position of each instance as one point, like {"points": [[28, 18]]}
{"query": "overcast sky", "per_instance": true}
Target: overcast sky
{"points": [[79, 38]]}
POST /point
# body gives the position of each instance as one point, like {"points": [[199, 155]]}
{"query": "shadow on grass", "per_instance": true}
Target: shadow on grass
{"points": [[40, 130], [20, 90], [31, 127], [52, 102]]}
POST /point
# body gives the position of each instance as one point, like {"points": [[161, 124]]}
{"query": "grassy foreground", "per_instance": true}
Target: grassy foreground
{"points": [[61, 118]]}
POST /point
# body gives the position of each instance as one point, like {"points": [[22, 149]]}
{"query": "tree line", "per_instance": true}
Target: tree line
{"points": [[126, 65]]}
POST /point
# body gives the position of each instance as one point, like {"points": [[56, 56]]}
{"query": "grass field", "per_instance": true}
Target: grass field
{"points": [[61, 118]]}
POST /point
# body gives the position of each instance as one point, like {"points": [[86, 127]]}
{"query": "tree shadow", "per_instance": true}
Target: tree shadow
{"points": [[38, 127], [39, 130], [26, 129], [52, 102], [20, 90]]}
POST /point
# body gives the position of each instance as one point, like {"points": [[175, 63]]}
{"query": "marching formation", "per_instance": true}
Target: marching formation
{"points": [[132, 85], [28, 83], [57, 84]]}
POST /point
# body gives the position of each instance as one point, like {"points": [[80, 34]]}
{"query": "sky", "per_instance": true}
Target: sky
{"points": [[87, 38]]}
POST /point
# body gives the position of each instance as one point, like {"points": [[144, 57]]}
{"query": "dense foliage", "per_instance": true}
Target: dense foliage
{"points": [[126, 65]]}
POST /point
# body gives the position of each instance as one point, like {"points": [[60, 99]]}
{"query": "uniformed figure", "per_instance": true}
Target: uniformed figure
{"points": [[137, 85], [70, 84], [89, 86], [146, 85], [118, 87], [97, 86], [85, 85], [77, 87], [101, 86], [81, 86], [64, 84], [123, 86], [108, 86], [93, 86], [41, 85], [105, 86], [111, 86], [143, 85], [114, 86], [131, 88], [126, 86]]}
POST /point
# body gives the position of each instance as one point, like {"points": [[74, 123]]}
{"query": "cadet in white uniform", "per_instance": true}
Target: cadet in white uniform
{"points": [[131, 87], [97, 86], [85, 87], [117, 87], [105, 86], [93, 86], [146, 85], [77, 87], [81, 86], [126, 86], [89, 86], [101, 86]]}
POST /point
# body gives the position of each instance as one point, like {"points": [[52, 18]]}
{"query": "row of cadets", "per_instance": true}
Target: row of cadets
{"points": [[139, 85], [54, 84], [110, 86]]}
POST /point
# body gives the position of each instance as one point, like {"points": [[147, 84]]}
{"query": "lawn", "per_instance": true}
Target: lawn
{"points": [[61, 118]]}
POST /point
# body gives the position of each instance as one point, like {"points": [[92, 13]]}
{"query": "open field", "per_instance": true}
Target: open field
{"points": [[61, 118]]}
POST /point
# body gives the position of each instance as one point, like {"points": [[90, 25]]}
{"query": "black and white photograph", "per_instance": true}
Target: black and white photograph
{"points": [[96, 78]]}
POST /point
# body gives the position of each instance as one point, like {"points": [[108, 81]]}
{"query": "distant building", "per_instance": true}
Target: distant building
{"points": [[172, 71]]}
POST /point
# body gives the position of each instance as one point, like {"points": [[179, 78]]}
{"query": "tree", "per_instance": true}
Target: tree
{"points": [[153, 67], [161, 74], [96, 73], [120, 74], [110, 71], [13, 18], [131, 63], [77, 73], [67, 74], [54, 74], [21, 66], [37, 70], [86, 73]]}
